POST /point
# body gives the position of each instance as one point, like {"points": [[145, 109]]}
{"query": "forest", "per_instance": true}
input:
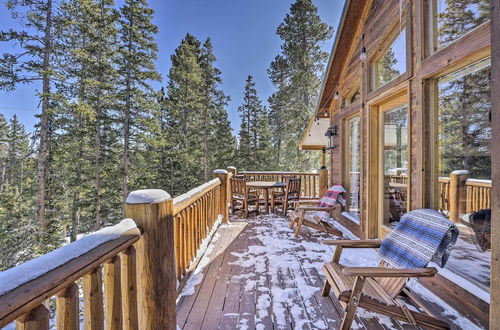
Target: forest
{"points": [[103, 130]]}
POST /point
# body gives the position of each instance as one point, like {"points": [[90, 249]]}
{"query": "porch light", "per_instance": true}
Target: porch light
{"points": [[337, 96], [362, 56], [330, 133]]}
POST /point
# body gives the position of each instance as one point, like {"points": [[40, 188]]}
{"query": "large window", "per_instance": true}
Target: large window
{"points": [[463, 181], [394, 160], [451, 19], [391, 63], [353, 167]]}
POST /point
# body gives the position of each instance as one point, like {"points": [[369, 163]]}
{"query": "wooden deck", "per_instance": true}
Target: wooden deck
{"points": [[255, 275]]}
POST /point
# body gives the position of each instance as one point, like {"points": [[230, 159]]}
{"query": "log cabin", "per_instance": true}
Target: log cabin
{"points": [[405, 114]]}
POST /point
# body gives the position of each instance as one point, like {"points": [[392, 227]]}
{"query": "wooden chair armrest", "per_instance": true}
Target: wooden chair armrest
{"points": [[305, 201], [354, 243], [389, 272], [314, 208]]}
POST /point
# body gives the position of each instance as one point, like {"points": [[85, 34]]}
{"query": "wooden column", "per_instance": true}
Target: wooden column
{"points": [[322, 182], [232, 169], [112, 294], [153, 211], [129, 289], [225, 189], [93, 313], [36, 319], [67, 309], [495, 167], [458, 194]]}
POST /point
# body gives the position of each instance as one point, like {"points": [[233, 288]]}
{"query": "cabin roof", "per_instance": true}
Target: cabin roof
{"points": [[344, 37]]}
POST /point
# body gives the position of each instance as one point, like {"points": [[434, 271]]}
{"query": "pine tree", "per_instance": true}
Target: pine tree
{"points": [[296, 75], [185, 105], [33, 63], [18, 228], [254, 126], [136, 68]]}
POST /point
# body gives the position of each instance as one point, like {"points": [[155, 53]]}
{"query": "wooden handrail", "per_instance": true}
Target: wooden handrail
{"points": [[311, 187], [32, 294]]}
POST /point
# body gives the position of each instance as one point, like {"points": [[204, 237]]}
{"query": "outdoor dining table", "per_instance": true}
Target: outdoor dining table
{"points": [[265, 186]]}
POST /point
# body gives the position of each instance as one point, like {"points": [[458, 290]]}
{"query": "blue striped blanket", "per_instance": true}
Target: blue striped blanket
{"points": [[421, 236]]}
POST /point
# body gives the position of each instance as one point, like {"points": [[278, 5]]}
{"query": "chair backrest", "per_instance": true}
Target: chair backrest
{"points": [[293, 188], [239, 185]]}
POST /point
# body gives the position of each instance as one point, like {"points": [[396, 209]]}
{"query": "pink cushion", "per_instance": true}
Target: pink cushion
{"points": [[332, 196]]}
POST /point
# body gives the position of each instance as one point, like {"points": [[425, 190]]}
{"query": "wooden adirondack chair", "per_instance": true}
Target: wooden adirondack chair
{"points": [[305, 214], [240, 194], [378, 289], [286, 197]]}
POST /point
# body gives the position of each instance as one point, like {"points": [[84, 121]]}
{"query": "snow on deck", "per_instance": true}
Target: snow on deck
{"points": [[257, 276]]}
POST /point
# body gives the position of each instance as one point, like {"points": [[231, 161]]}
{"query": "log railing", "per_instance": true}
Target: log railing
{"points": [[478, 195], [111, 263], [309, 181], [130, 281], [444, 194]]}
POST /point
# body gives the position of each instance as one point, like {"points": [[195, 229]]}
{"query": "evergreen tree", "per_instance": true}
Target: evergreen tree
{"points": [[185, 105], [136, 67], [33, 63], [254, 129], [296, 75]]}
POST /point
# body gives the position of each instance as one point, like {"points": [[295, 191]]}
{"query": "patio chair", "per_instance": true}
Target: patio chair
{"points": [[287, 196], [240, 194], [316, 213], [420, 236]]}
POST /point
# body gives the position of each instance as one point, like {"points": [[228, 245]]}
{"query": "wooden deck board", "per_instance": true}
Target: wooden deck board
{"points": [[259, 277]]}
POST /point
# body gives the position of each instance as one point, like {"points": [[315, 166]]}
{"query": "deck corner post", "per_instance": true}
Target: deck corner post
{"points": [[322, 182], [153, 212], [458, 194], [232, 169], [225, 194]]}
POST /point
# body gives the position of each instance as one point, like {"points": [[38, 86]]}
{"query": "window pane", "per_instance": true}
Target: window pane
{"points": [[465, 167], [457, 17], [353, 167], [395, 164], [392, 64]]}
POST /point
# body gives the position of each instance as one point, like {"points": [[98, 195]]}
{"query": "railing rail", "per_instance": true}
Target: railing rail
{"points": [[27, 302], [309, 181]]}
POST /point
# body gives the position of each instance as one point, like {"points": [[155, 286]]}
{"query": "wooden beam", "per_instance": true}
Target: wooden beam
{"points": [[36, 319], [495, 166], [93, 311], [112, 294], [129, 289]]}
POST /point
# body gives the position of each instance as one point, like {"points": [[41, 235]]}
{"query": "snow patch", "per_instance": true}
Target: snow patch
{"points": [[33, 269], [220, 171], [147, 196]]}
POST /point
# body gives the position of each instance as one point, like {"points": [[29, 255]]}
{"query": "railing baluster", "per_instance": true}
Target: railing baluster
{"points": [[112, 294], [67, 308], [36, 319], [92, 300], [129, 289]]}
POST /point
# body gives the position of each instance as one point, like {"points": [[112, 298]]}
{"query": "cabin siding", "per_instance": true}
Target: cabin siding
{"points": [[376, 20]]}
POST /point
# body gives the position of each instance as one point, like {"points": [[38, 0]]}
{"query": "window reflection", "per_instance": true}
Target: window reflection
{"points": [[353, 167], [465, 167], [454, 18], [395, 164], [392, 63]]}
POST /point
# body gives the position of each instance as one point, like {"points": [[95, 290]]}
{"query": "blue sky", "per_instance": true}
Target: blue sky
{"points": [[243, 34]]}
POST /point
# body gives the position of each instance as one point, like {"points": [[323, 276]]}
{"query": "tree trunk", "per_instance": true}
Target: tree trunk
{"points": [[126, 139], [44, 123]]}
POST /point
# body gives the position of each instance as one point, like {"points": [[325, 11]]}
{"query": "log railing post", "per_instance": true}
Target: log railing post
{"points": [[232, 169], [93, 312], [153, 211], [36, 319], [129, 289], [322, 182], [67, 308], [458, 194], [225, 193], [112, 294]]}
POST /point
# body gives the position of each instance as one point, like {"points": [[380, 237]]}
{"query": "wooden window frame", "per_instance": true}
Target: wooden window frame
{"points": [[347, 153], [386, 44], [375, 228]]}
